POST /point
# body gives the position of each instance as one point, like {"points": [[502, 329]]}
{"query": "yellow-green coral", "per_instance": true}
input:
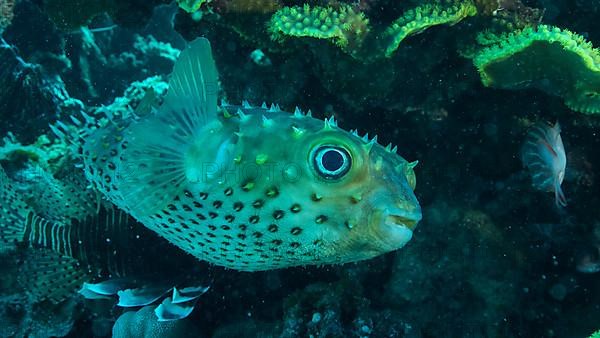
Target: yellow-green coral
{"points": [[554, 60], [45, 153], [418, 19], [190, 6], [342, 25]]}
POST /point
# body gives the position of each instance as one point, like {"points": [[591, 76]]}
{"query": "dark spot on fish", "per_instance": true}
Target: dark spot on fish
{"points": [[124, 145], [203, 195], [257, 234], [171, 207], [111, 166], [217, 204], [213, 215], [211, 235], [228, 192], [198, 205], [159, 216], [254, 219], [241, 236], [316, 242], [296, 208], [194, 222], [107, 179], [192, 235], [321, 219], [238, 206], [230, 218], [225, 227], [273, 228], [186, 207], [229, 260], [185, 226], [258, 204], [201, 244], [315, 198], [278, 214], [170, 220], [212, 227], [272, 192], [243, 227], [277, 241], [188, 194], [296, 231], [290, 252], [113, 152], [201, 216], [295, 245], [225, 243]]}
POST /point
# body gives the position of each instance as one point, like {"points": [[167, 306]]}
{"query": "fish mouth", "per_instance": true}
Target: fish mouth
{"points": [[400, 220]]}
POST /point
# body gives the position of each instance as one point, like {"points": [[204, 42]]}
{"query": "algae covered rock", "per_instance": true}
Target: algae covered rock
{"points": [[554, 60]]}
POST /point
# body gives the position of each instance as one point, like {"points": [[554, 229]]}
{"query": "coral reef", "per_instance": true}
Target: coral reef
{"points": [[6, 13], [417, 20], [554, 60], [343, 25], [492, 257], [143, 323]]}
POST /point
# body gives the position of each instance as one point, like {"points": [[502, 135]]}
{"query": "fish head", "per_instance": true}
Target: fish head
{"points": [[358, 195]]}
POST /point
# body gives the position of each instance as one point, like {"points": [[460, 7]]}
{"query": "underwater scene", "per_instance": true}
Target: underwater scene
{"points": [[287, 168]]}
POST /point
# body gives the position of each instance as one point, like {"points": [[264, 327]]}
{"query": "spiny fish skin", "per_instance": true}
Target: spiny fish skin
{"points": [[255, 188]]}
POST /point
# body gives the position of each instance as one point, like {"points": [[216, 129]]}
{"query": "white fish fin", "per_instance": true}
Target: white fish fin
{"points": [[141, 296], [152, 172], [168, 310], [188, 294], [559, 195]]}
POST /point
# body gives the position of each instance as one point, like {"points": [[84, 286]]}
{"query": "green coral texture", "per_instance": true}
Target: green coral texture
{"points": [[338, 25], [190, 6], [418, 19], [554, 60]]}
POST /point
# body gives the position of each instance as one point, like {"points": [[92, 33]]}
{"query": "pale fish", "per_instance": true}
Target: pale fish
{"points": [[543, 153], [252, 187]]}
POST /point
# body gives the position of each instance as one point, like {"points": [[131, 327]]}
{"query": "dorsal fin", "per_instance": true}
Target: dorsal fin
{"points": [[193, 85], [153, 169]]}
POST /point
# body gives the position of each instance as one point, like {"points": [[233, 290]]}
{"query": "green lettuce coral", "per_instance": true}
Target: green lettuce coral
{"points": [[554, 60], [190, 6], [417, 20], [344, 26]]}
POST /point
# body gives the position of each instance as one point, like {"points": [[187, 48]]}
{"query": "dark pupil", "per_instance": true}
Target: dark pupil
{"points": [[332, 160]]}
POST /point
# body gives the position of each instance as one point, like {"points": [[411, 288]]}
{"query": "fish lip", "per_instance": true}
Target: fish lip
{"points": [[401, 220]]}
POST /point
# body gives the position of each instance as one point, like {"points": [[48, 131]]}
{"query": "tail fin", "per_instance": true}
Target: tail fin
{"points": [[14, 215]]}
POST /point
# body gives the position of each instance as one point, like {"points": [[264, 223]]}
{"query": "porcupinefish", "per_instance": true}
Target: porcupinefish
{"points": [[543, 153], [66, 238], [251, 187]]}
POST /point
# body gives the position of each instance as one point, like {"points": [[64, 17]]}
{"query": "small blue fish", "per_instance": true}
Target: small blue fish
{"points": [[543, 153]]}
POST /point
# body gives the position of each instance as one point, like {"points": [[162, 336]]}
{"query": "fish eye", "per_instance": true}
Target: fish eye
{"points": [[331, 162]]}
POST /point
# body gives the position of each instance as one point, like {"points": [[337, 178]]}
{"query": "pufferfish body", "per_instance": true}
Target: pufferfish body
{"points": [[252, 188]]}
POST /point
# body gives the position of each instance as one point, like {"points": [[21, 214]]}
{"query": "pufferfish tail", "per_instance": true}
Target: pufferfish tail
{"points": [[152, 169]]}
